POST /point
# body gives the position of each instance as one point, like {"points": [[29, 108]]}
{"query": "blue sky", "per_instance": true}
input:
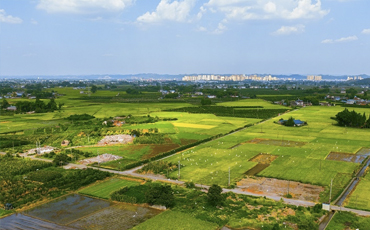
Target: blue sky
{"points": [[58, 37]]}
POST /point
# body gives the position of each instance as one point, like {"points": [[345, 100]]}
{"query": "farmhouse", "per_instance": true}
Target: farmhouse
{"points": [[11, 108], [296, 122]]}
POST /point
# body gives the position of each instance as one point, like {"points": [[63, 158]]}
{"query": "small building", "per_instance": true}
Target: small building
{"points": [[296, 122], [11, 108]]}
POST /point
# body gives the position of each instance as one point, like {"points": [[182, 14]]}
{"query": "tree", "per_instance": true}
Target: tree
{"points": [[214, 195], [206, 101], [4, 104], [159, 194], [289, 122], [61, 159], [94, 88]]}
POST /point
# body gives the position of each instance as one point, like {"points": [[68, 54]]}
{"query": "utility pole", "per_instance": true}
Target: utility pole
{"points": [[288, 187], [179, 169], [331, 186], [229, 177]]}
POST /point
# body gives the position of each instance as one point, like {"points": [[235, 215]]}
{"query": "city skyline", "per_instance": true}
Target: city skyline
{"points": [[51, 37]]}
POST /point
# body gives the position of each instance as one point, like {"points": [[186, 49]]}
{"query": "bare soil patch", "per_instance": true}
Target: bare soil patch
{"points": [[271, 186], [347, 157], [285, 143], [116, 139], [264, 158], [100, 159]]}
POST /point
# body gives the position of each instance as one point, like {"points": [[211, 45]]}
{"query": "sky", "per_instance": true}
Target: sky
{"points": [[79, 37]]}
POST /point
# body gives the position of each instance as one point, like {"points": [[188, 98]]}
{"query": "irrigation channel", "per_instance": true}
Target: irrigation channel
{"points": [[339, 202]]}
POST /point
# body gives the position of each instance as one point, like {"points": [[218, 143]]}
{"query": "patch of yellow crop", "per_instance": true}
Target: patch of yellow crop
{"points": [[196, 126], [3, 122]]}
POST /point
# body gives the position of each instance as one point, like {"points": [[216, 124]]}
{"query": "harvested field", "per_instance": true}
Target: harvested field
{"points": [[121, 216], [67, 209], [116, 139], [364, 151], [100, 159], [187, 141], [264, 158], [347, 157], [196, 126], [270, 186], [157, 149], [277, 142]]}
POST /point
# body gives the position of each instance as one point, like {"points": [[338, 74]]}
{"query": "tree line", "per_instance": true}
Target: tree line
{"points": [[352, 119]]}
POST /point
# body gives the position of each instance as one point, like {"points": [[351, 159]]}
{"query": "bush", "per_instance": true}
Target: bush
{"points": [[214, 195], [159, 194]]}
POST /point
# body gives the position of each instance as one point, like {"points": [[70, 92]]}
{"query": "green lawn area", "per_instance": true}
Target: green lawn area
{"points": [[348, 220], [175, 220], [359, 198], [5, 212], [105, 188]]}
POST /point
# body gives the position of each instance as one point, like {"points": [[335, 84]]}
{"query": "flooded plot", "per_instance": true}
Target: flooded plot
{"points": [[270, 186], [264, 160], [285, 143], [256, 169], [364, 151], [68, 209], [19, 221], [347, 157], [121, 216]]}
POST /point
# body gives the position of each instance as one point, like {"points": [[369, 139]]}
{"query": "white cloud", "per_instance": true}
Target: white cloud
{"points": [[220, 28], [344, 39], [285, 30], [8, 18], [365, 31], [327, 41], [82, 6], [172, 11], [267, 9]]}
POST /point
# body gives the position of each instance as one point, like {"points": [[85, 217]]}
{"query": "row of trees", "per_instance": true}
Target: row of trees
{"points": [[38, 106], [352, 119]]}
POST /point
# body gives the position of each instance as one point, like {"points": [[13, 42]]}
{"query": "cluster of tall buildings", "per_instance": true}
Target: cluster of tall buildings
{"points": [[240, 77], [354, 78], [314, 78]]}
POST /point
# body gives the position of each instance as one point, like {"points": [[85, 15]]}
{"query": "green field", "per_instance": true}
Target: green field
{"points": [[298, 163], [175, 220], [347, 220], [105, 188], [359, 198]]}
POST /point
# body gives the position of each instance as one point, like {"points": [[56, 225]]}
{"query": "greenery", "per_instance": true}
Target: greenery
{"points": [[77, 117], [348, 220], [105, 188], [26, 181], [352, 119], [214, 195], [38, 106], [234, 111], [175, 220], [160, 194]]}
